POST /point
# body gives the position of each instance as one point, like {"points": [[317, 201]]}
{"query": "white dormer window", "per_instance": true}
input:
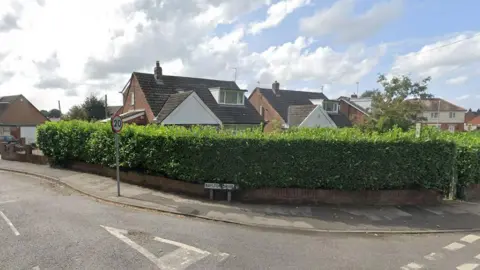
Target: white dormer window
{"points": [[316, 101], [228, 97], [331, 107]]}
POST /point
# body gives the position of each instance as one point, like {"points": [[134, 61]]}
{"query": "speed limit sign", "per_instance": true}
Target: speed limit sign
{"points": [[117, 124]]}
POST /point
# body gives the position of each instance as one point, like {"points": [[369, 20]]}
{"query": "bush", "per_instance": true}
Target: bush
{"points": [[343, 159]]}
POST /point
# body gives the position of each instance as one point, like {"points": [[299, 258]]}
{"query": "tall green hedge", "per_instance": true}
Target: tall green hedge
{"points": [[344, 159]]}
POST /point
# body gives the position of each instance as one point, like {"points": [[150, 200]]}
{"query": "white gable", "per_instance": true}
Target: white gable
{"points": [[192, 111], [318, 117]]}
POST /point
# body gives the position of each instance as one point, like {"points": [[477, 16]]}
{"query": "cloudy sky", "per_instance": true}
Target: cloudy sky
{"points": [[63, 50]]}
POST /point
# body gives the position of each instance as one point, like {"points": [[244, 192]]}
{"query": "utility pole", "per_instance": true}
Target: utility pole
{"points": [[106, 107], [59, 107]]}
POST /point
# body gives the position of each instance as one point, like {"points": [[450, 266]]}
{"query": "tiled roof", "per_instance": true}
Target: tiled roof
{"points": [[354, 104], [298, 113], [475, 121], [172, 103], [158, 94], [432, 104], [288, 98], [5, 102], [113, 109]]}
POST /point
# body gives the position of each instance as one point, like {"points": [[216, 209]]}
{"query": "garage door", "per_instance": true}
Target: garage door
{"points": [[29, 133]]}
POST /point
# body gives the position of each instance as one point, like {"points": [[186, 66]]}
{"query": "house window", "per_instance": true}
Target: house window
{"points": [[132, 99], [452, 115], [231, 97], [330, 107], [262, 112], [434, 115], [451, 128]]}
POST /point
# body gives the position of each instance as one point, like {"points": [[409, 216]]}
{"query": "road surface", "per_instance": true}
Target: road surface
{"points": [[47, 226]]}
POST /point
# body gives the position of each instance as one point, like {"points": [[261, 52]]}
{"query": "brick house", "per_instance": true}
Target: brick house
{"points": [[19, 118], [291, 107], [356, 109], [443, 114], [175, 100]]}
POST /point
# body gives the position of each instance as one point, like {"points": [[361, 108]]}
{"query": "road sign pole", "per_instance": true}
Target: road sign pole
{"points": [[118, 166]]}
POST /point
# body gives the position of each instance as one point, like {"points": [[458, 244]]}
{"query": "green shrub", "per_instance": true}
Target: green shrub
{"points": [[343, 159]]}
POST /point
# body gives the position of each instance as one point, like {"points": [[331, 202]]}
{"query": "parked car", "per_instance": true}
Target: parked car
{"points": [[8, 139]]}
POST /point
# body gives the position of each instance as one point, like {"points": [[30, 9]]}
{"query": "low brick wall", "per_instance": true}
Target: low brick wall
{"points": [[8, 152], [273, 195], [153, 181], [319, 196]]}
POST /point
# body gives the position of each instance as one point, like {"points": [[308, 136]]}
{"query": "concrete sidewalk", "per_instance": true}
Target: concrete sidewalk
{"points": [[451, 216]]}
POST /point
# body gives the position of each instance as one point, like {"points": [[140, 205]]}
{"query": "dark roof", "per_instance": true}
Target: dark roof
{"points": [[432, 104], [158, 94], [340, 120], [298, 113], [113, 109], [172, 103], [288, 98]]}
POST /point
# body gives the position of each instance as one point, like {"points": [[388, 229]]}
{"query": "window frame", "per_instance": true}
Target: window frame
{"points": [[132, 99], [434, 115], [452, 115], [223, 94]]}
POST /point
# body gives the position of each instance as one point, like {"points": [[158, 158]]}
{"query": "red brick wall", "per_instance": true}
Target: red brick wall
{"points": [[355, 115], [140, 100], [22, 111], [269, 113]]}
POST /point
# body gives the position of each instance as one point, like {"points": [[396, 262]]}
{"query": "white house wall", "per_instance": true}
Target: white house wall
{"points": [[318, 118], [192, 111], [444, 117]]}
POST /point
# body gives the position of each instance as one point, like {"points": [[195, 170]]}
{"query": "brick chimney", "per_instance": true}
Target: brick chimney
{"points": [[157, 72], [276, 88]]}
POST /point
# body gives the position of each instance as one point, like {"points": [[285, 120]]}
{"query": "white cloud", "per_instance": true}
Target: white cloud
{"points": [[458, 53], [457, 80], [463, 97], [341, 21], [276, 14]]}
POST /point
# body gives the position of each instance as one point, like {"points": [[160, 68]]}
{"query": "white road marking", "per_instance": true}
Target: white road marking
{"points": [[179, 259], [467, 266], [36, 268], [181, 245], [9, 224], [433, 256], [10, 201], [470, 238], [454, 246], [433, 211], [119, 234], [412, 266], [477, 257]]}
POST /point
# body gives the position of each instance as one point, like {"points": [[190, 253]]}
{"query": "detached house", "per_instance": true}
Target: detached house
{"points": [[296, 108], [19, 118], [176, 100], [356, 109], [443, 114]]}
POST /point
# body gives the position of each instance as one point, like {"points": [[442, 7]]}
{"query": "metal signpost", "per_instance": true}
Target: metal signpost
{"points": [[117, 125]]}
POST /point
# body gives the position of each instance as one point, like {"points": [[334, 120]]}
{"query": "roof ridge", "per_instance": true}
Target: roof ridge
{"points": [[187, 77]]}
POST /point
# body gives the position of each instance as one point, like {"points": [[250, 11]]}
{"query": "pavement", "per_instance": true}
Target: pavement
{"points": [[451, 216], [47, 225]]}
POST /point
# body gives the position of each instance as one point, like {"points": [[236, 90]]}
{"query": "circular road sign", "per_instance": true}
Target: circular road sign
{"points": [[117, 124]]}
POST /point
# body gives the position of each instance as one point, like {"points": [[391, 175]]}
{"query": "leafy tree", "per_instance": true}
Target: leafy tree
{"points": [[368, 93], [45, 113], [55, 113], [77, 112], [94, 107], [399, 104]]}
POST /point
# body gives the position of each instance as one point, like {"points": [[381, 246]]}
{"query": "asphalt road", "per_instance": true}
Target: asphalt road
{"points": [[46, 226]]}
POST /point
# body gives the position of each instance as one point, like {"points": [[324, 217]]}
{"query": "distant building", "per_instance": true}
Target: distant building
{"points": [[443, 114]]}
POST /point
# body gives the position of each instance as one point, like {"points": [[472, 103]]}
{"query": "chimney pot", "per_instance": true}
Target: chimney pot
{"points": [[276, 88], [354, 96]]}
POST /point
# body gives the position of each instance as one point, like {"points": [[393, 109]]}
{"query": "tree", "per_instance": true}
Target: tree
{"points": [[368, 93], [77, 112], [55, 113], [94, 107], [399, 104], [45, 113]]}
